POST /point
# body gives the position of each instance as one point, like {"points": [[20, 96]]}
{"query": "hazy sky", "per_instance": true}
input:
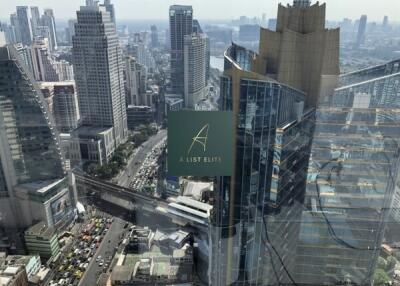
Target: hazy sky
{"points": [[213, 9]]}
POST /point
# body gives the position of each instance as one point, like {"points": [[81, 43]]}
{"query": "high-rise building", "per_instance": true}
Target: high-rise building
{"points": [[33, 179], [110, 9], [180, 25], [49, 21], [273, 96], [352, 179], [385, 22], [362, 28], [195, 55], [35, 19], [24, 25], [255, 226], [64, 104], [135, 78], [154, 36], [16, 35], [98, 68], [44, 68], [71, 30], [64, 70], [302, 52]]}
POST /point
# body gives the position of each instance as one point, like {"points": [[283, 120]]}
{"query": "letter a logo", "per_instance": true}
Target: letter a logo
{"points": [[201, 138]]}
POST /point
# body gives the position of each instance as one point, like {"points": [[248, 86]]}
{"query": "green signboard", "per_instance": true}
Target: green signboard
{"points": [[200, 143]]}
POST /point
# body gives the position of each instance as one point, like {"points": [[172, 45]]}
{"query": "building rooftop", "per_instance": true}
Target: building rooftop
{"points": [[91, 131], [40, 186], [181, 7], [41, 229]]}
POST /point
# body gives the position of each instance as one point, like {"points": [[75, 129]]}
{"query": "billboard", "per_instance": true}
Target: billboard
{"points": [[61, 208], [200, 143]]}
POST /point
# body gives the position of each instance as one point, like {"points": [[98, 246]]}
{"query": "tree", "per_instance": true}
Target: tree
{"points": [[390, 263], [381, 263], [380, 277]]}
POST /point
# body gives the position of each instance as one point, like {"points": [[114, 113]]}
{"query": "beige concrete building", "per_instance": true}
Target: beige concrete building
{"points": [[301, 52]]}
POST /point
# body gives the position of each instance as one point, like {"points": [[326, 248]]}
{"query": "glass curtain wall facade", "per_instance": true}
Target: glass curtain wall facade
{"points": [[260, 203], [28, 137], [351, 180]]}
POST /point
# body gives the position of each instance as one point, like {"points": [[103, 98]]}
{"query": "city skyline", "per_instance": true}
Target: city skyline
{"points": [[337, 9]]}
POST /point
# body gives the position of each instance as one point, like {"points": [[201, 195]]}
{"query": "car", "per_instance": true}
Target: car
{"points": [[98, 258], [100, 263]]}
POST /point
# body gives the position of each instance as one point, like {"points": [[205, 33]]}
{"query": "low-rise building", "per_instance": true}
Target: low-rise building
{"points": [[158, 259], [13, 276], [92, 144], [137, 115], [52, 201], [42, 240]]}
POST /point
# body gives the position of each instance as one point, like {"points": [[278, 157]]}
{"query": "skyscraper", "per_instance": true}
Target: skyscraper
{"points": [[35, 19], [15, 28], [98, 68], [302, 52], [44, 68], [154, 36], [31, 163], [385, 22], [273, 96], [362, 27], [49, 21], [110, 9], [135, 75], [180, 24], [255, 228], [352, 179], [24, 25], [71, 30], [195, 54], [65, 105]]}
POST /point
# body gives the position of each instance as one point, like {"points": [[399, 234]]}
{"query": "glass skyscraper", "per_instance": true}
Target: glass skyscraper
{"points": [[351, 180], [260, 203], [29, 144]]}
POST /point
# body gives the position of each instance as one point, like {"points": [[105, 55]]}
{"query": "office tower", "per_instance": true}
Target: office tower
{"points": [[24, 25], [98, 68], [362, 27], [302, 52], [195, 54], [352, 179], [15, 28], [180, 25], [273, 96], [385, 22], [65, 105], [9, 33], [196, 27], [35, 20], [154, 36], [70, 30], [43, 64], [49, 21], [255, 226], [33, 177], [135, 76], [110, 9]]}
